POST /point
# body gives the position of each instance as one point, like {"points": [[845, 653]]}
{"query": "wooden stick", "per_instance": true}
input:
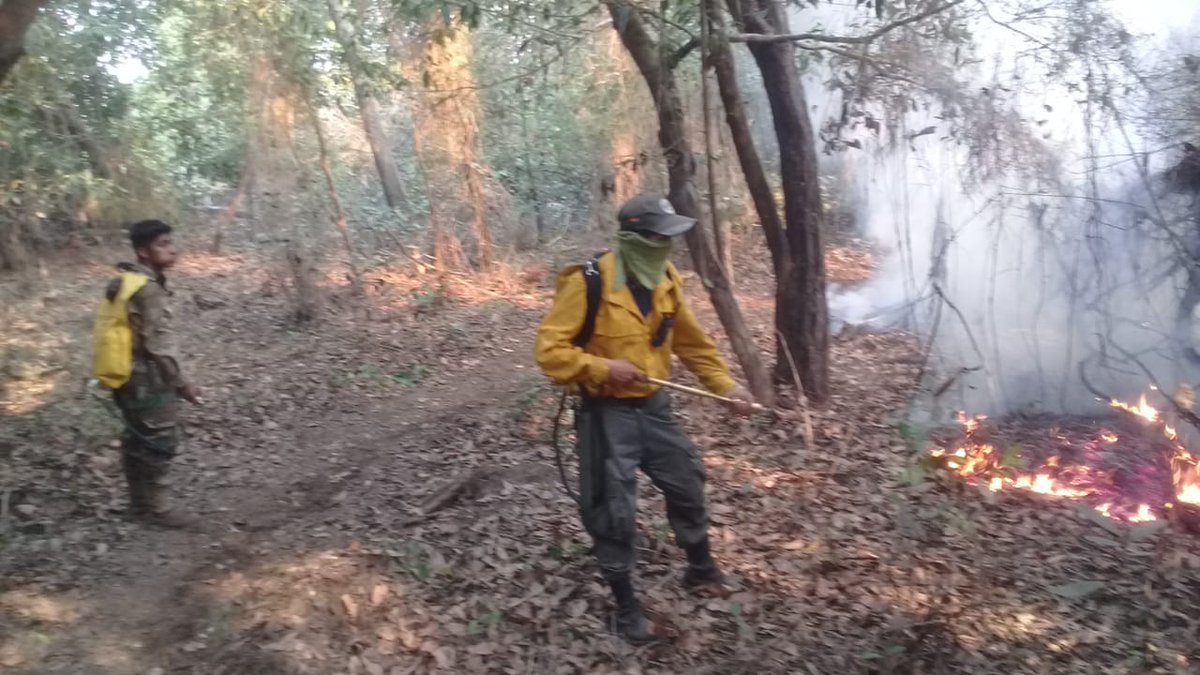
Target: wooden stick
{"points": [[700, 392], [809, 436]]}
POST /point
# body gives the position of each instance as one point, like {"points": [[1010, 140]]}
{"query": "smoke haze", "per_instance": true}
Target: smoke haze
{"points": [[1056, 262]]}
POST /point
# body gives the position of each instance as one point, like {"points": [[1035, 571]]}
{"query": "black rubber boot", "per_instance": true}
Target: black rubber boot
{"points": [[702, 570], [135, 478], [630, 621], [159, 514]]}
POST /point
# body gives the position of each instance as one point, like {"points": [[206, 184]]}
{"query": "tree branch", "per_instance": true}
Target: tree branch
{"points": [[761, 38], [680, 54], [15, 18]]}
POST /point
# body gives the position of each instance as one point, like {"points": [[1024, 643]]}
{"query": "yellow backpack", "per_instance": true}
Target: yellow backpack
{"points": [[112, 336]]}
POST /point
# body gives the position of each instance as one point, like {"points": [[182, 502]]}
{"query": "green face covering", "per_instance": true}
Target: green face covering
{"points": [[642, 258]]}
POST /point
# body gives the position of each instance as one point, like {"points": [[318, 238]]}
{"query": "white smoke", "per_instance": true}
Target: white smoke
{"points": [[1017, 280]]}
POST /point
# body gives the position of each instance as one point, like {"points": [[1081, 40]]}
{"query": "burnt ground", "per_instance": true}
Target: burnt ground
{"points": [[318, 444]]}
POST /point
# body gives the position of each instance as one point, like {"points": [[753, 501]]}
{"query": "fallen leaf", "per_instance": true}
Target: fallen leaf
{"points": [[444, 657], [379, 594], [350, 606], [1078, 590], [482, 649]]}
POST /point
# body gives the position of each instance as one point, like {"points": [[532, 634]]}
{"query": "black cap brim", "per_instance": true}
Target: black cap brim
{"points": [[672, 225]]}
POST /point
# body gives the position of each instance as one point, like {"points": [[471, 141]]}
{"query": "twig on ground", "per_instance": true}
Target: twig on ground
{"points": [[802, 398], [4, 497]]}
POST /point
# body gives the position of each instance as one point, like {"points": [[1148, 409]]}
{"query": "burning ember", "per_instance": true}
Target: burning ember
{"points": [[1130, 471]]}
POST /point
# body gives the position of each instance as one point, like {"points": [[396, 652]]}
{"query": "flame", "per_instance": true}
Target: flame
{"points": [[1143, 514], [1142, 409], [978, 462], [1190, 494]]}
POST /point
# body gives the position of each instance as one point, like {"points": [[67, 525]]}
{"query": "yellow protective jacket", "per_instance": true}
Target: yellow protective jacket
{"points": [[622, 333]]}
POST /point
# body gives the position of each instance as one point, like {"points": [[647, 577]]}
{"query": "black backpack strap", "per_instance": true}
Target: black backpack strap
{"points": [[668, 320], [591, 278]]}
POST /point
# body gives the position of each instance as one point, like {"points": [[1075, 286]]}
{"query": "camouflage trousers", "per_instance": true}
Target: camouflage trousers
{"points": [[614, 439], [151, 439]]}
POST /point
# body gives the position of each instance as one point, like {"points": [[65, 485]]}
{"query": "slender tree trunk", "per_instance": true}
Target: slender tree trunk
{"points": [[747, 153], [483, 233], [801, 310], [339, 214], [453, 112], [535, 196], [720, 227], [368, 108], [66, 118], [681, 173], [239, 195], [447, 250], [16, 16]]}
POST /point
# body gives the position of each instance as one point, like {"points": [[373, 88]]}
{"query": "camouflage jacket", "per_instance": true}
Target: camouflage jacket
{"points": [[152, 321]]}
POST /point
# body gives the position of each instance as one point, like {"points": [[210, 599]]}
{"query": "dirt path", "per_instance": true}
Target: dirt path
{"points": [[296, 423], [319, 444], [145, 608]]}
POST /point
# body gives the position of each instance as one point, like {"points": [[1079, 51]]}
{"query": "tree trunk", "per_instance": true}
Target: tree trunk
{"points": [[339, 214], [447, 250], [368, 108], [743, 144], [801, 311], [534, 194], [681, 173], [65, 117], [452, 114], [239, 195], [16, 16], [720, 228]]}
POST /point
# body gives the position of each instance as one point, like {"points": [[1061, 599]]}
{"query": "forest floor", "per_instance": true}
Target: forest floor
{"points": [[318, 444]]}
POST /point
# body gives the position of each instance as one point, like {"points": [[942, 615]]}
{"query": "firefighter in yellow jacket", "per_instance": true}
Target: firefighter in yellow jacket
{"points": [[625, 423]]}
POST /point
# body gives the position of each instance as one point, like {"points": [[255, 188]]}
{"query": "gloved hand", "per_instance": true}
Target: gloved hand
{"points": [[621, 374], [743, 402]]}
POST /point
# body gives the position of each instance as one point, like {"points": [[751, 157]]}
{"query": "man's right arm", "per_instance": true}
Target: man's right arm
{"points": [[554, 349]]}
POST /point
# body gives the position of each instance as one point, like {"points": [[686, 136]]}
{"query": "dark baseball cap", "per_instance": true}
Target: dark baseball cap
{"points": [[653, 214]]}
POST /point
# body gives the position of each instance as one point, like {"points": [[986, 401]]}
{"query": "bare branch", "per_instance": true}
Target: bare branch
{"points": [[760, 38], [675, 58]]}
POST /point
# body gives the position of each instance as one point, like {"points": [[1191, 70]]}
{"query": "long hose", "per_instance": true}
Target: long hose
{"points": [[558, 458]]}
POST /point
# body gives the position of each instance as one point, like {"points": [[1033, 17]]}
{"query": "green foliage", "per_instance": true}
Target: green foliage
{"points": [[482, 623], [411, 376], [429, 297], [1011, 458], [191, 108], [545, 121]]}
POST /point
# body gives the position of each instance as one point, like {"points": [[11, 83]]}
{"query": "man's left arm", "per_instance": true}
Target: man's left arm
{"points": [[158, 339], [699, 353]]}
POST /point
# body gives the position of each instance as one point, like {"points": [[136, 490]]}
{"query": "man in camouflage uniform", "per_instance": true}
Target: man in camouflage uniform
{"points": [[149, 401]]}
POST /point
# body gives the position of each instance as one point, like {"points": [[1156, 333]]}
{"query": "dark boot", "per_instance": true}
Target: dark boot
{"points": [[136, 479], [702, 571], [158, 512], [630, 621]]}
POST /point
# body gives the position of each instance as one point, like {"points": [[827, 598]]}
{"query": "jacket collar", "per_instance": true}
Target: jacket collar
{"points": [[623, 296], [144, 270]]}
